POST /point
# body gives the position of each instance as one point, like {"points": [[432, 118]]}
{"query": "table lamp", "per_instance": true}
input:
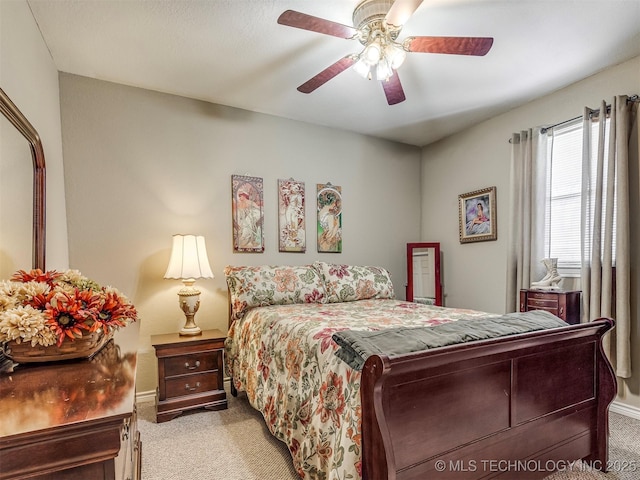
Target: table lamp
{"points": [[189, 262]]}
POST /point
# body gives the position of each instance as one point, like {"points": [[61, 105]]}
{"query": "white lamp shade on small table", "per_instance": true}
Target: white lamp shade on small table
{"points": [[189, 262]]}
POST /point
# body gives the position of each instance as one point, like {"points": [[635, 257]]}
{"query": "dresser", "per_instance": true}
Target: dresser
{"points": [[190, 373], [563, 304], [73, 420]]}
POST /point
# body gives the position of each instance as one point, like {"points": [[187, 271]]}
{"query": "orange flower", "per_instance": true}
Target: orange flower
{"points": [[286, 280], [64, 317], [365, 289], [264, 359], [294, 358], [332, 402], [39, 302], [113, 313], [324, 451], [36, 275]]}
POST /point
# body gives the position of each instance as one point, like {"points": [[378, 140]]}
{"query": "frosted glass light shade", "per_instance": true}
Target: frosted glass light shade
{"points": [[362, 69], [395, 55], [188, 258], [372, 53]]}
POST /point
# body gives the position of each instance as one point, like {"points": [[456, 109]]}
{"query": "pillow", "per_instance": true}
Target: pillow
{"points": [[347, 283], [272, 285]]}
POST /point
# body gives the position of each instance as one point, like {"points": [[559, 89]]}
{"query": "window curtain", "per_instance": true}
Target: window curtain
{"points": [[526, 225], [605, 287]]}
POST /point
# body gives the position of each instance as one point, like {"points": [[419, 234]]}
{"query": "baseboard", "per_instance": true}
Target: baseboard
{"points": [[626, 410], [146, 397]]}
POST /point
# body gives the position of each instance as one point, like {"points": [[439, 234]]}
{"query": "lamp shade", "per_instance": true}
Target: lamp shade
{"points": [[188, 258]]}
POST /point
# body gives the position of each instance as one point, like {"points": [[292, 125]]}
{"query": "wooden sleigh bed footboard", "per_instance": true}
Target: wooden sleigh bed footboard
{"points": [[511, 408]]}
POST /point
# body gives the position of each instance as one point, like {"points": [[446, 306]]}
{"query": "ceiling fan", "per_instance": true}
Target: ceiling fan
{"points": [[377, 25]]}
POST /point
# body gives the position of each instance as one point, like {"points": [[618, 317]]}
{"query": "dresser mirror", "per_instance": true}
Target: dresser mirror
{"points": [[423, 273], [14, 155]]}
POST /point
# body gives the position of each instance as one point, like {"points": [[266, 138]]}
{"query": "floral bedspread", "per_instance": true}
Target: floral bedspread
{"points": [[282, 356]]}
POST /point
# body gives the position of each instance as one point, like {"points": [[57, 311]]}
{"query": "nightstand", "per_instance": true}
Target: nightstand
{"points": [[563, 304], [190, 373]]}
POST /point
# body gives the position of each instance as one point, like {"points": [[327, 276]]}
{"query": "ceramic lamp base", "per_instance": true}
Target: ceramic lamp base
{"points": [[189, 299], [188, 331]]}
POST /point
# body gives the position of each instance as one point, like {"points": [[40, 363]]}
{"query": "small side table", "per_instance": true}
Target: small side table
{"points": [[563, 304], [190, 373]]}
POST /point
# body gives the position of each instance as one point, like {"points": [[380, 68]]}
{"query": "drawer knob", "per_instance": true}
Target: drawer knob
{"points": [[192, 367], [189, 388], [561, 310]]}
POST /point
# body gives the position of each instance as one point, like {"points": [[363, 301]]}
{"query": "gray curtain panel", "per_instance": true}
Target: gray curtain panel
{"points": [[526, 222], [605, 285]]}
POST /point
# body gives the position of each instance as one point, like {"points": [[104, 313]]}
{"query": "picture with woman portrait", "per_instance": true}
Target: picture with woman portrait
{"points": [[329, 199], [248, 216], [291, 216], [477, 212]]}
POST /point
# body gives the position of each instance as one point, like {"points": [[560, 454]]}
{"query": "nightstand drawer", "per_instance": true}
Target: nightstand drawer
{"points": [[541, 295], [542, 303], [185, 364], [190, 384]]}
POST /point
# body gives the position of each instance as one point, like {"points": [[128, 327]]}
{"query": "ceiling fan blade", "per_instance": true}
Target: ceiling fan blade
{"points": [[327, 74], [393, 89], [451, 45], [401, 11], [295, 19]]}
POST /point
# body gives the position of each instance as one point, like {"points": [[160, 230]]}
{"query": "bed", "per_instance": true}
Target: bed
{"points": [[518, 406]]}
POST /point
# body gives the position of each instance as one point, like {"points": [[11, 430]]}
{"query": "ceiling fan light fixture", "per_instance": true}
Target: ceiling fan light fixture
{"points": [[376, 26]]}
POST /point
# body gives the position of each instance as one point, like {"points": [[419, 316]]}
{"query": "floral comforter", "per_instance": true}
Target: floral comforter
{"points": [[282, 356]]}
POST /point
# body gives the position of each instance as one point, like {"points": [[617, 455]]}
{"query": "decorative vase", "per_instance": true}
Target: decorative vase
{"points": [[84, 347]]}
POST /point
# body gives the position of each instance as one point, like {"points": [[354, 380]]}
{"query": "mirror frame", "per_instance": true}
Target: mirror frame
{"points": [[18, 120], [410, 248]]}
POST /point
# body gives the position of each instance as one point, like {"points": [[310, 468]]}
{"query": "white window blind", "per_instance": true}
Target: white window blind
{"points": [[564, 190]]}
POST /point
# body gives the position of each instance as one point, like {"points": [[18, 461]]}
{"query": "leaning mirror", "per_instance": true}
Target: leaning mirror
{"points": [[12, 204], [423, 273]]}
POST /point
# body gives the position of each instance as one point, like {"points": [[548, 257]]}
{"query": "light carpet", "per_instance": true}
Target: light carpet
{"points": [[234, 444]]}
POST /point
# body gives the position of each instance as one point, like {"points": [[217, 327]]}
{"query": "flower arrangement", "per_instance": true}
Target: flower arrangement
{"points": [[47, 308]]}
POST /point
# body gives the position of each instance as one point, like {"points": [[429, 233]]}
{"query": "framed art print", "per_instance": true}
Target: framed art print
{"points": [[291, 216], [329, 202], [247, 212], [477, 215]]}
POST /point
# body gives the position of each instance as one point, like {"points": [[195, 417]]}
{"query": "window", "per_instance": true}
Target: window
{"points": [[564, 191]]}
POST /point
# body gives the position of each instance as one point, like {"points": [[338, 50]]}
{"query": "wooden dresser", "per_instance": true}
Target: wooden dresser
{"points": [[75, 419], [563, 304]]}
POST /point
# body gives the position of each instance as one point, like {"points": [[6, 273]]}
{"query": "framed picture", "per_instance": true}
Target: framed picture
{"points": [[329, 201], [291, 218], [247, 212], [477, 212]]}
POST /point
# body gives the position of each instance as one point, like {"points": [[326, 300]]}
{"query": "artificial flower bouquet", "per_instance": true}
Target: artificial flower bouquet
{"points": [[56, 308]]}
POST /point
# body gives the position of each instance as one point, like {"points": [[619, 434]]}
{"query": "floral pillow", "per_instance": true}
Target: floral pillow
{"points": [[259, 286], [347, 283]]}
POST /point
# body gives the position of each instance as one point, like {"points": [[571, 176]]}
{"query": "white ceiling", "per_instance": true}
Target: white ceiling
{"points": [[232, 52]]}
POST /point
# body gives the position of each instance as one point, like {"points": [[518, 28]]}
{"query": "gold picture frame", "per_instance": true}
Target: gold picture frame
{"points": [[477, 216]]}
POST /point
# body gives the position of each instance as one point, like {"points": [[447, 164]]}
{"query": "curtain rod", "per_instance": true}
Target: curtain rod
{"points": [[633, 98]]}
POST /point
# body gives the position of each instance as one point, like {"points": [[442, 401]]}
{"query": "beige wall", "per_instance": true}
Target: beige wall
{"points": [[29, 77], [475, 273], [141, 166]]}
